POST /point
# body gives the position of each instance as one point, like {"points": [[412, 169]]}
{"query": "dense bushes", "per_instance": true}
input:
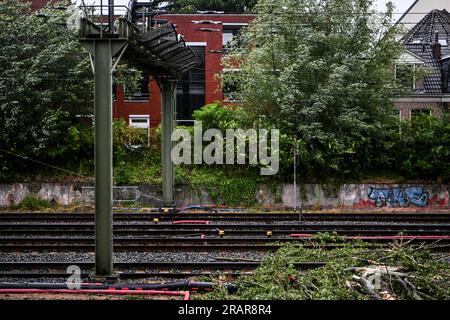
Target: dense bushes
{"points": [[407, 150], [404, 150], [423, 148]]}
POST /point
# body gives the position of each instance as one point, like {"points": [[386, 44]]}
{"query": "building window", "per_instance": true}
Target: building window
{"points": [[143, 93], [410, 76], [230, 86], [443, 42], [230, 32], [420, 112], [191, 88], [139, 121]]}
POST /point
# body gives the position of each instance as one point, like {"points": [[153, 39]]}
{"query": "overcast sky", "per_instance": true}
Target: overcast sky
{"points": [[400, 6]]}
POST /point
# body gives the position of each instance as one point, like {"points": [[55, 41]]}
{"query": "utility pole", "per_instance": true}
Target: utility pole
{"points": [[295, 179], [168, 88], [105, 52], [111, 15], [106, 46], [296, 163]]}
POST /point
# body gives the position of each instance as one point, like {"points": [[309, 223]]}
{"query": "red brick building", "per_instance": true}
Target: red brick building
{"points": [[207, 34], [38, 4]]}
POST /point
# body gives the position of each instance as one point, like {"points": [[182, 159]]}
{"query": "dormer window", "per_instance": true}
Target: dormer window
{"points": [[416, 41], [443, 42]]}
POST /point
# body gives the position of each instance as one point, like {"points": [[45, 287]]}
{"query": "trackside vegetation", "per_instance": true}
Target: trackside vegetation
{"points": [[354, 271]]}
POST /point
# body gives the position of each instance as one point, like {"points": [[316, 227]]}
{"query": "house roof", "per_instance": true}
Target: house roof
{"points": [[419, 41], [418, 10]]}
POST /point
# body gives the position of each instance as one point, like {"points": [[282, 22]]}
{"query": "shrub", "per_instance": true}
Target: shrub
{"points": [[32, 202], [423, 148]]}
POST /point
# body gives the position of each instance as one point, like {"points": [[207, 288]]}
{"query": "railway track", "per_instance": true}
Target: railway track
{"points": [[198, 233], [199, 244], [264, 217], [140, 232], [191, 225], [137, 270]]}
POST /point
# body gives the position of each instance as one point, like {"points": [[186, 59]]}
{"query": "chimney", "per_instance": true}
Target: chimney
{"points": [[437, 48]]}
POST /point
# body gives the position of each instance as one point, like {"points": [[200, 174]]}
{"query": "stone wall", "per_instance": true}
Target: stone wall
{"points": [[312, 195], [369, 195]]}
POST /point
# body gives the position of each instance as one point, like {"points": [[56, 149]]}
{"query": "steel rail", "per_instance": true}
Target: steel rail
{"points": [[234, 226], [202, 247], [143, 269], [148, 234], [193, 240], [8, 216]]}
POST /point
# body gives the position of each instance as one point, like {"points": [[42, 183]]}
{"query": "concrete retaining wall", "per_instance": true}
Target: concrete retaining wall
{"points": [[312, 195]]}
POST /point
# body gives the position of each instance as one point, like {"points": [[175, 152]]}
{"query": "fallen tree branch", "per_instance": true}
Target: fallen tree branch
{"points": [[367, 286], [409, 288]]}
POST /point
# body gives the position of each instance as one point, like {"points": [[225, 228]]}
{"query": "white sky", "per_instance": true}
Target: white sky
{"points": [[400, 5]]}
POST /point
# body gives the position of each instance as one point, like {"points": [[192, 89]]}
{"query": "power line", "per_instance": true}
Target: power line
{"points": [[42, 163]]}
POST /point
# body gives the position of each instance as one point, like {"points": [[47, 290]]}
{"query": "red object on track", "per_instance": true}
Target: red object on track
{"points": [[185, 294], [190, 222], [301, 235]]}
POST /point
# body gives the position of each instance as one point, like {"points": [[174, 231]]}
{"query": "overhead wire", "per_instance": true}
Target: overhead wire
{"points": [[41, 163]]}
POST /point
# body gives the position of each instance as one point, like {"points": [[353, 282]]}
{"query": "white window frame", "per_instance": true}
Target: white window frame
{"points": [[131, 117], [232, 24], [421, 109], [196, 44], [235, 24]]}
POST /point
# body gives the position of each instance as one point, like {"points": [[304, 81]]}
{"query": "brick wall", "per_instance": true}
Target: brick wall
{"points": [[406, 107], [185, 27]]}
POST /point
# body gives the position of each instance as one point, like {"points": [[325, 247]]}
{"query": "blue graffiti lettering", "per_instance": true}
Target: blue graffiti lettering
{"points": [[398, 197]]}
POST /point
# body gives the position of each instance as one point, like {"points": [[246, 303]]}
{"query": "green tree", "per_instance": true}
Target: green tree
{"points": [[46, 82], [192, 6], [321, 72], [423, 148]]}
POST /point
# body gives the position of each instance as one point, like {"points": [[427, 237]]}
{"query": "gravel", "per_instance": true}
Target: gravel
{"points": [[131, 256]]}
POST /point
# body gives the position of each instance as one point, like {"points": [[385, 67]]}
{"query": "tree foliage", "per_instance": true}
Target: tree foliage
{"points": [[192, 6], [45, 81], [423, 148], [321, 72]]}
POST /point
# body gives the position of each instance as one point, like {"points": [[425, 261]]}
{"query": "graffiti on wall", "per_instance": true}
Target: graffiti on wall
{"points": [[399, 196]]}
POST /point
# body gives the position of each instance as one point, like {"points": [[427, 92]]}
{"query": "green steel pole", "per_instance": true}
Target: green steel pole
{"points": [[102, 52], [168, 105], [103, 159]]}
